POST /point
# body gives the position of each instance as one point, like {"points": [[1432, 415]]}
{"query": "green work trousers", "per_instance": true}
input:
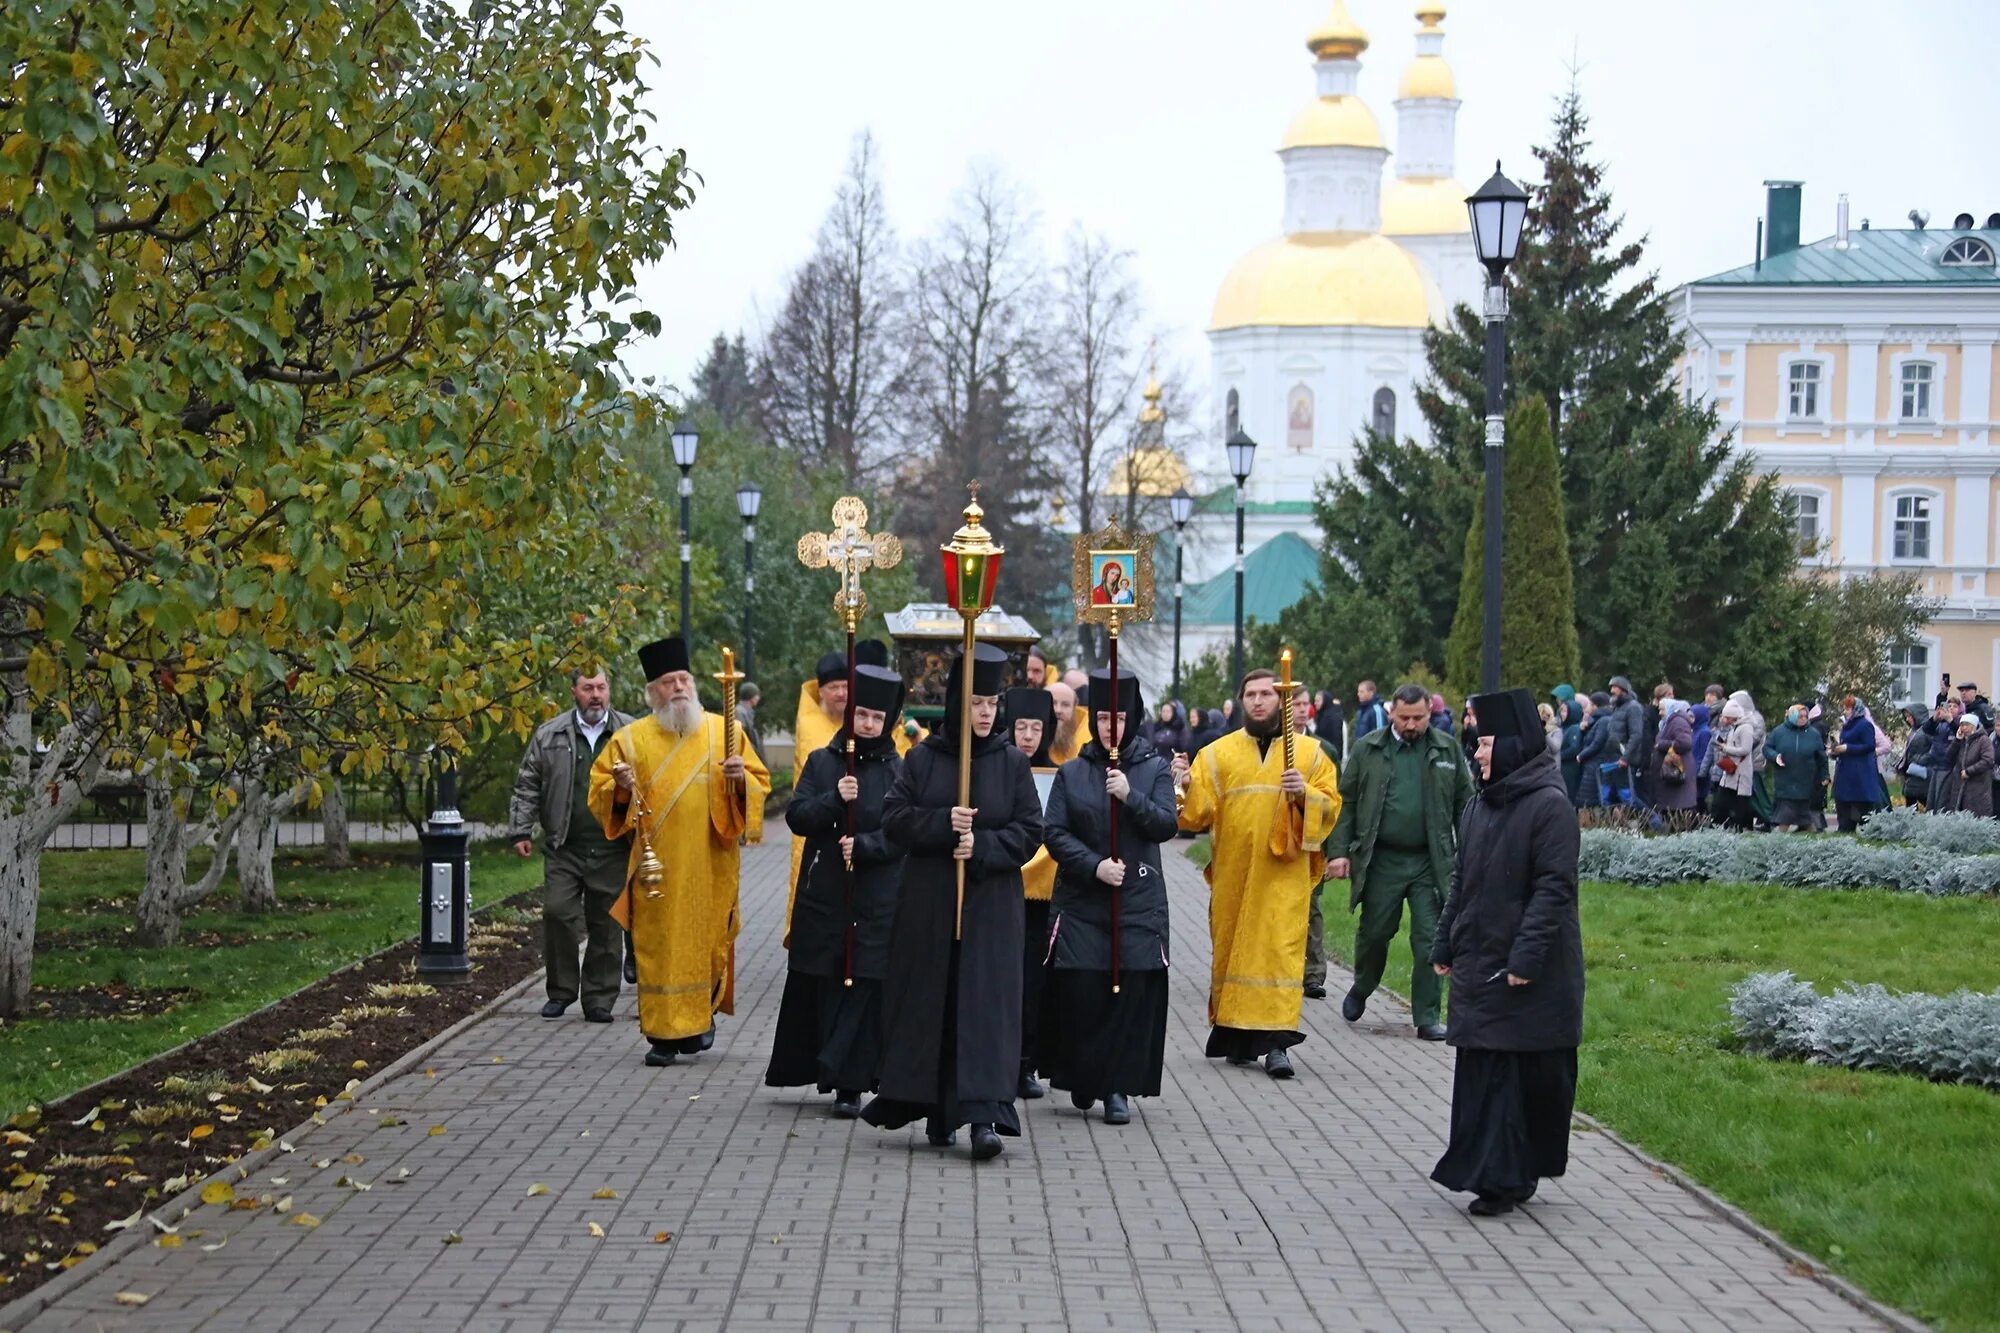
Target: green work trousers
{"points": [[578, 890], [1316, 940], [1396, 876]]}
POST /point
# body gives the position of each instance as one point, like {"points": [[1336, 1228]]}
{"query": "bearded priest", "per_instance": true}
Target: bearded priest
{"points": [[667, 776]]}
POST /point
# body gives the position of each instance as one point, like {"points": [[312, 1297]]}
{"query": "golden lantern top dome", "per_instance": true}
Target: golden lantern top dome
{"points": [[1151, 414], [1424, 206], [1327, 279], [1333, 122], [1427, 75], [1338, 37]]}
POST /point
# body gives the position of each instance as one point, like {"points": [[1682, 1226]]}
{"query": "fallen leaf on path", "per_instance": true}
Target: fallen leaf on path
{"points": [[606, 1193], [158, 1225], [283, 1205], [436, 1130], [306, 1220], [662, 1237], [537, 1191], [354, 1159], [403, 1173], [285, 1147], [596, 1230], [391, 1122], [167, 1242], [1798, 1268], [131, 1298], [122, 1223], [453, 1238], [211, 1249], [281, 1180], [218, 1191], [246, 1204]]}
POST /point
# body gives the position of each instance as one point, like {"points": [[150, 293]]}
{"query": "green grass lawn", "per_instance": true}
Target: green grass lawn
{"points": [[325, 920], [1892, 1181]]}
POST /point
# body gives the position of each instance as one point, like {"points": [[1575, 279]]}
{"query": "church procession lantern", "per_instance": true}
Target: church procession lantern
{"points": [[445, 908], [971, 568], [850, 548], [1111, 581]]}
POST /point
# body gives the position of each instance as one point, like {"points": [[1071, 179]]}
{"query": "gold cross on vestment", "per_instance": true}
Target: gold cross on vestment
{"points": [[849, 548]]}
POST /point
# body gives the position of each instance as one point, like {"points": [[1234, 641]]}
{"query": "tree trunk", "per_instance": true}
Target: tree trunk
{"points": [[256, 847], [159, 922], [333, 816], [40, 797]]}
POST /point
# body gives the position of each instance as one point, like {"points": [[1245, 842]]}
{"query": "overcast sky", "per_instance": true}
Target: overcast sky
{"points": [[1157, 123]]}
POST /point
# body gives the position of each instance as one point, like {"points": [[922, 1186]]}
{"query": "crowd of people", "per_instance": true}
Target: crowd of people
{"points": [[949, 953]]}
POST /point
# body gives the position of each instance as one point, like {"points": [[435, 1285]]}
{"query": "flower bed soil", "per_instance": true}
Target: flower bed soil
{"points": [[108, 1153]]}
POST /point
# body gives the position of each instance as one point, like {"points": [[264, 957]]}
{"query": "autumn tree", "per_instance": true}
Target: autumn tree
{"points": [[309, 325]]}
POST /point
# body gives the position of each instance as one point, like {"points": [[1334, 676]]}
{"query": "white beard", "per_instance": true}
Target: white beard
{"points": [[680, 717]]}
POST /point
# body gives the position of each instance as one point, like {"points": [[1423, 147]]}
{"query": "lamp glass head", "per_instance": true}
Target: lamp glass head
{"points": [[1499, 209], [685, 443], [1242, 453], [749, 498], [1181, 506]]}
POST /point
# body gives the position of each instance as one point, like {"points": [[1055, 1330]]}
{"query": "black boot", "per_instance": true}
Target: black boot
{"points": [[939, 1136], [1315, 990], [1117, 1111], [985, 1143], [1029, 1089], [1490, 1205], [846, 1105], [1278, 1065], [1352, 1006], [661, 1055], [1081, 1102], [555, 1008], [631, 962]]}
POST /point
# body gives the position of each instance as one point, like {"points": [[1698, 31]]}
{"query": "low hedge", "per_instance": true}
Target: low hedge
{"points": [[1947, 1038], [1965, 834], [1799, 860]]}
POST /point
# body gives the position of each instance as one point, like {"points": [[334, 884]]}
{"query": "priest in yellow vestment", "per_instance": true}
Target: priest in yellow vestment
{"points": [[668, 775], [1268, 824]]}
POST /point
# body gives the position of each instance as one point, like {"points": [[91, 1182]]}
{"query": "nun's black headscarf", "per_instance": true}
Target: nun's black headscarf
{"points": [[989, 676], [1026, 703], [1105, 697], [1515, 725]]}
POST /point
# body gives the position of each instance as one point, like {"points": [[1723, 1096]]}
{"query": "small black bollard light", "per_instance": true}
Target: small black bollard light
{"points": [[447, 887]]}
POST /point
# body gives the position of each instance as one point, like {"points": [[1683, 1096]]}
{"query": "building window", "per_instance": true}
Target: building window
{"points": [[1910, 673], [1811, 525], [1912, 530], [1383, 420], [1917, 377], [1967, 252], [1802, 396], [1232, 417]]}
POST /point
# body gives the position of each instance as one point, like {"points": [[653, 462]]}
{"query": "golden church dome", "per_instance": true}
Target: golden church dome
{"points": [[1424, 206], [1150, 472], [1333, 122], [1339, 37], [1321, 279]]}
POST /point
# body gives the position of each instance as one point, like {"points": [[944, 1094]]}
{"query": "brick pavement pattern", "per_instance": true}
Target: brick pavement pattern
{"points": [[1230, 1201]]}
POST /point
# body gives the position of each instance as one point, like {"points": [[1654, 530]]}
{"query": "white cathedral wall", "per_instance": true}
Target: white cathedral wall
{"points": [[1452, 264]]}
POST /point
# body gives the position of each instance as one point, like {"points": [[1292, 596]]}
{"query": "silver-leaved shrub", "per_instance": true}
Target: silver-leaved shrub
{"points": [[1954, 831], [1949, 1038], [1799, 860]]}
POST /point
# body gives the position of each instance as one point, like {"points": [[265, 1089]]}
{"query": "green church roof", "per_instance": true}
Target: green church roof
{"points": [[1275, 575], [1888, 257]]}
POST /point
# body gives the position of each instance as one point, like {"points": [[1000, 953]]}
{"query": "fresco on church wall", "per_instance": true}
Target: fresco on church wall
{"points": [[1299, 418]]}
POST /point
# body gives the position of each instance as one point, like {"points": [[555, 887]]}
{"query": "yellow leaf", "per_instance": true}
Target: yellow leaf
{"points": [[168, 1242], [275, 561], [597, 1230], [201, 1131], [227, 619], [605, 1193], [46, 543], [131, 1298], [662, 1237], [218, 1191], [536, 1191], [436, 1130], [197, 518], [306, 1220]]}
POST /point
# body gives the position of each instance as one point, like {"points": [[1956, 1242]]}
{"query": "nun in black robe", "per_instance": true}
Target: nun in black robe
{"points": [[1029, 715], [830, 1021], [952, 1007], [1100, 1044], [1510, 941]]}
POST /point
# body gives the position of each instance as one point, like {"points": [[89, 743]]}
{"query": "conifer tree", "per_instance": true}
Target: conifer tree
{"points": [[1537, 600]]}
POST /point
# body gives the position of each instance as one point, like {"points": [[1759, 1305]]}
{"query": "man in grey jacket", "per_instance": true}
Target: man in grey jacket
{"points": [[1627, 739], [585, 871]]}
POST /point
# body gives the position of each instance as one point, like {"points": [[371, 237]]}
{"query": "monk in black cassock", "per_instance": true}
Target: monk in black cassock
{"points": [[1029, 715], [1510, 942], [1109, 1046], [952, 1008], [830, 1033]]}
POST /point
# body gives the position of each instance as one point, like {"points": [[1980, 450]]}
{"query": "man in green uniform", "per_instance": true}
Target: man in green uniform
{"points": [[585, 871], [1396, 840]]}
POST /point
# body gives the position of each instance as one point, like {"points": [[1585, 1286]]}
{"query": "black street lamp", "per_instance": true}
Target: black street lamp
{"points": [[749, 498], [1181, 506], [445, 907], [1242, 452], [1498, 209], [685, 442]]}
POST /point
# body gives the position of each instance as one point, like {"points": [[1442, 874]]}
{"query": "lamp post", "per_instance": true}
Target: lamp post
{"points": [[685, 442], [1498, 209], [445, 904], [749, 498], [1242, 452], [1181, 506]]}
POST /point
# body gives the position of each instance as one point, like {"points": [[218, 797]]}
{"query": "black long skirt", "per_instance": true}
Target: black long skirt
{"points": [[1034, 976], [1249, 1043], [1509, 1121], [947, 1113], [1097, 1043], [829, 1034]]}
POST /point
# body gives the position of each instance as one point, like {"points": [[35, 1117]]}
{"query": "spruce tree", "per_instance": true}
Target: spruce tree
{"points": [[1684, 561], [1537, 601]]}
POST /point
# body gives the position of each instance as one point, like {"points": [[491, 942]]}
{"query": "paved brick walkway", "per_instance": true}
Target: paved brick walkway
{"points": [[1229, 1202]]}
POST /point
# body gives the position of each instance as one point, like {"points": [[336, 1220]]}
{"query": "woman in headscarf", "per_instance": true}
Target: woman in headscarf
{"points": [[1968, 776], [1110, 1043], [1170, 731], [1029, 715], [1914, 764], [1673, 785], [1857, 785], [829, 1031], [1735, 768], [1510, 942], [951, 1007]]}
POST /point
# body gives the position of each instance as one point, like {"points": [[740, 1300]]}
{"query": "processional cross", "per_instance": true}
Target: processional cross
{"points": [[849, 548]]}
